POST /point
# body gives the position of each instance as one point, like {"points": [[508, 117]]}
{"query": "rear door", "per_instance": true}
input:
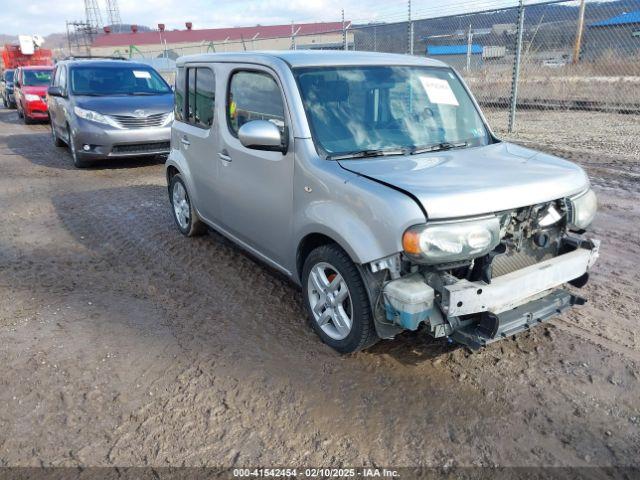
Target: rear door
{"points": [[195, 135], [256, 198]]}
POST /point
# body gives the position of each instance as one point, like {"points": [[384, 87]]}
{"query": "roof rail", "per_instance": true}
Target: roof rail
{"points": [[92, 57]]}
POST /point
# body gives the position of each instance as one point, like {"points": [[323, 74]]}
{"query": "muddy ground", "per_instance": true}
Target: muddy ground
{"points": [[124, 343]]}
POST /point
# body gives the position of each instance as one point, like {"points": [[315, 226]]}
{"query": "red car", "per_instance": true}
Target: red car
{"points": [[30, 91]]}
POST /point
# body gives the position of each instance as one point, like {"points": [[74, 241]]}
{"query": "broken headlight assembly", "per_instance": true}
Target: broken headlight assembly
{"points": [[582, 209], [443, 242]]}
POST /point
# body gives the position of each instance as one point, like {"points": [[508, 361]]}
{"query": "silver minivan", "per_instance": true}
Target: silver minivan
{"points": [[374, 182]]}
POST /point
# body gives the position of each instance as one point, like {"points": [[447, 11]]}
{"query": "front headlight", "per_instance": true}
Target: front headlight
{"points": [[95, 117], [451, 241], [582, 210], [169, 119], [30, 97]]}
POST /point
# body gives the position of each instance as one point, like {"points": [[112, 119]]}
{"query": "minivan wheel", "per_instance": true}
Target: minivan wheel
{"points": [[77, 161], [184, 214], [54, 136], [337, 300]]}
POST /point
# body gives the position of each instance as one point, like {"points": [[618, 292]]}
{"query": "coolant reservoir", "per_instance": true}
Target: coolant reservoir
{"points": [[408, 301]]}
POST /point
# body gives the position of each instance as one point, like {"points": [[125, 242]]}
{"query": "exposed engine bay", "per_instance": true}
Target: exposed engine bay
{"points": [[507, 290]]}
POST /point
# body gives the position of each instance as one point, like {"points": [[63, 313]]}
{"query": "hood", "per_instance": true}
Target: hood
{"points": [[475, 181], [126, 104], [40, 90]]}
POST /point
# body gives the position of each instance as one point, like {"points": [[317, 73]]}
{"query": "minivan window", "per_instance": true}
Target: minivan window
{"points": [[8, 75], [62, 79], [254, 96], [36, 78], [352, 109], [121, 80]]}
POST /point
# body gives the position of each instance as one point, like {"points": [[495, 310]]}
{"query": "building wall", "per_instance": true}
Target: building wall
{"points": [[178, 49], [616, 40]]}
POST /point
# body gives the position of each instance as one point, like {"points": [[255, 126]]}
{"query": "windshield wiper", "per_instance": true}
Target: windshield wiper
{"points": [[436, 147], [367, 153]]}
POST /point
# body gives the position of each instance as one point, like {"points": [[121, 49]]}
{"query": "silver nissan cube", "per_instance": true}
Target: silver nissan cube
{"points": [[374, 182]]}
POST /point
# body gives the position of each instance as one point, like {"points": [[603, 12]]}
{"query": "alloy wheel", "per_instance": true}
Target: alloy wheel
{"points": [[330, 300], [181, 207]]}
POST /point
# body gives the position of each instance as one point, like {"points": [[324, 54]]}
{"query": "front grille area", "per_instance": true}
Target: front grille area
{"points": [[529, 255], [142, 147], [155, 120]]}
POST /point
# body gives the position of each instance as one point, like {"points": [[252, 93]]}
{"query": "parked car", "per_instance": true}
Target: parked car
{"points": [[30, 91], [6, 88], [103, 108], [374, 182]]}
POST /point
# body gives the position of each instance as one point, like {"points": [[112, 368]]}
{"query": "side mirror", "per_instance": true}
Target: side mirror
{"points": [[261, 135], [55, 92], [16, 84]]}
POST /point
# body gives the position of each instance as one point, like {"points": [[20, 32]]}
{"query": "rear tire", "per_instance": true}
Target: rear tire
{"points": [[185, 216], [336, 299], [4, 102]]}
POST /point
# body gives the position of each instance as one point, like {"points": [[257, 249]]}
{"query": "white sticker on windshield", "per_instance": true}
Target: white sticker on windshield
{"points": [[439, 91], [141, 74]]}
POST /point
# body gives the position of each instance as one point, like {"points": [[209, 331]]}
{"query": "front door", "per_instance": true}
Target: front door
{"points": [[194, 133], [256, 187]]}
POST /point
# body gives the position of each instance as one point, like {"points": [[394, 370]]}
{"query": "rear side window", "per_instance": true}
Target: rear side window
{"points": [[180, 95], [254, 96], [201, 87]]}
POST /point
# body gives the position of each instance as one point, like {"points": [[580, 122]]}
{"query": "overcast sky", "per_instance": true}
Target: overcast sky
{"points": [[41, 17]]}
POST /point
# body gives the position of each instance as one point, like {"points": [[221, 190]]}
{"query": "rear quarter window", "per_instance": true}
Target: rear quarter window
{"points": [[180, 94]]}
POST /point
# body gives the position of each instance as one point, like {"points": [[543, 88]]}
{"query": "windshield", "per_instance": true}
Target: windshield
{"points": [[355, 109], [125, 80], [34, 78], [8, 75]]}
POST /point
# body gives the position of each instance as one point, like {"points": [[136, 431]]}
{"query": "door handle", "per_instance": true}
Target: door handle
{"points": [[185, 141], [224, 156]]}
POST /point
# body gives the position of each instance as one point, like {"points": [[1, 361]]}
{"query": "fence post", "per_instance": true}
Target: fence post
{"points": [[516, 67], [410, 29]]}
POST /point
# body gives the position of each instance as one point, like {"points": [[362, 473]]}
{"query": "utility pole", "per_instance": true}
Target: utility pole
{"points": [[577, 47], [345, 46], [410, 29], [516, 68]]}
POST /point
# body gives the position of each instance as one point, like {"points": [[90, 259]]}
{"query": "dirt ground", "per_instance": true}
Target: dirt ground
{"points": [[124, 343]]}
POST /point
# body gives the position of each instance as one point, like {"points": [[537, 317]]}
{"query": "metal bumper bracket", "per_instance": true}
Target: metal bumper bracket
{"points": [[492, 327]]}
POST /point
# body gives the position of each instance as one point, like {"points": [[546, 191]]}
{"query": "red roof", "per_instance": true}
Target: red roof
{"points": [[213, 34]]}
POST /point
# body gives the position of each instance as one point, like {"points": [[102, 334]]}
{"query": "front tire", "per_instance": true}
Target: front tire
{"points": [[71, 142], [54, 136], [184, 214], [336, 299]]}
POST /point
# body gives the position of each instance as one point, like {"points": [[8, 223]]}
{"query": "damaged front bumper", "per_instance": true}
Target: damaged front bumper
{"points": [[476, 313]]}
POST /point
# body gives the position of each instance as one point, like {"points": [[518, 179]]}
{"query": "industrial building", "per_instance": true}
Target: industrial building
{"points": [[170, 44], [619, 35]]}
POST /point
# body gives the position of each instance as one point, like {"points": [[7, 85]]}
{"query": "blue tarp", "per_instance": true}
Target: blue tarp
{"points": [[453, 49], [623, 19]]}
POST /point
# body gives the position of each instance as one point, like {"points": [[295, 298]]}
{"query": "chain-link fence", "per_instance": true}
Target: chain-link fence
{"points": [[580, 55]]}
